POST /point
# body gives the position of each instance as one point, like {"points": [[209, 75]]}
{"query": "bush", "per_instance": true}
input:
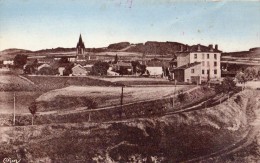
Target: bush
{"points": [[238, 99], [181, 97]]}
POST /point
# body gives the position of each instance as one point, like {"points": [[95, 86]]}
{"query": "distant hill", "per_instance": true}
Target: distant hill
{"points": [[147, 48], [56, 50], [154, 47], [119, 46], [252, 53], [11, 53]]}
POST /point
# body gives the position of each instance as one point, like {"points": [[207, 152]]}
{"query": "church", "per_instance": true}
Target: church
{"points": [[81, 54]]}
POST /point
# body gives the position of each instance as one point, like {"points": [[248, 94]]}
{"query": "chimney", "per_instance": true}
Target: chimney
{"points": [[198, 48], [181, 48], [187, 47], [210, 47], [216, 47]]}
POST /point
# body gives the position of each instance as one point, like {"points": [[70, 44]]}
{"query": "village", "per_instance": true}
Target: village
{"points": [[190, 64], [129, 81]]}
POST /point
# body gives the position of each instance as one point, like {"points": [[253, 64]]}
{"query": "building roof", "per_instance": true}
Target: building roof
{"points": [[80, 43], [200, 48], [87, 62], [188, 65], [123, 64], [157, 64]]}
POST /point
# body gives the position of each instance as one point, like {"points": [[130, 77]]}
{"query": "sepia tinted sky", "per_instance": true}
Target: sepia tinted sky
{"points": [[41, 24]]}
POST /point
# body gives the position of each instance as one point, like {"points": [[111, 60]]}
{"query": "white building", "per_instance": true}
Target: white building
{"points": [[209, 58], [8, 62]]}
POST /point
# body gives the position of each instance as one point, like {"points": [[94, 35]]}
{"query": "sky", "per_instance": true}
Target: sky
{"points": [[44, 24]]}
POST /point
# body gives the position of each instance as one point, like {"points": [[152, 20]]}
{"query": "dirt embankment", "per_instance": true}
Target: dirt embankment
{"points": [[170, 138]]}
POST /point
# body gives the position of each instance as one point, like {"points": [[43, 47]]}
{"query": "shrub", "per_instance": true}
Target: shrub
{"points": [[238, 99], [181, 97]]}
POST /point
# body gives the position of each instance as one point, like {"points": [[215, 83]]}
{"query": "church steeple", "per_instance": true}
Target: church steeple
{"points": [[80, 46]]}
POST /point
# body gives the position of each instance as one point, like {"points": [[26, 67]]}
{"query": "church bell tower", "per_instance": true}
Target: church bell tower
{"points": [[80, 47]]}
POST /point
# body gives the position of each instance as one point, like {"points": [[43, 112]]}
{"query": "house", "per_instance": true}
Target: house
{"points": [[61, 71], [155, 68], [158, 68], [88, 68], [8, 63], [123, 67], [42, 66], [79, 70], [112, 73], [209, 58], [190, 73]]}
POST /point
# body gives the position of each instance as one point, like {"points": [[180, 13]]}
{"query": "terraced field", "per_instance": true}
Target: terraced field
{"points": [[76, 96]]}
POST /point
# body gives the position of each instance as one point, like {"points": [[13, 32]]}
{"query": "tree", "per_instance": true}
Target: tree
{"points": [[251, 73], [68, 69], [33, 109], [181, 96], [228, 85], [116, 59], [241, 78], [64, 60], [100, 68], [141, 69], [20, 60]]}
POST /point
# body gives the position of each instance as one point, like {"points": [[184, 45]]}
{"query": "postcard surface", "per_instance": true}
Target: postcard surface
{"points": [[129, 81]]}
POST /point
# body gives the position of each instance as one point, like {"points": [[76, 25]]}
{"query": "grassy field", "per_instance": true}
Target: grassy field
{"points": [[74, 92], [56, 82], [23, 100], [9, 82], [74, 96], [131, 81]]}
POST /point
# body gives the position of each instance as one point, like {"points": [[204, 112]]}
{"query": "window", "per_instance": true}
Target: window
{"points": [[215, 64], [203, 63], [192, 70], [208, 63], [203, 72], [203, 56], [208, 56], [195, 56], [215, 71], [215, 56], [207, 71]]}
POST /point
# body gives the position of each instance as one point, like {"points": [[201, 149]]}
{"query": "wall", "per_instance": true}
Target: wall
{"points": [[156, 71], [211, 66], [188, 74], [183, 59]]}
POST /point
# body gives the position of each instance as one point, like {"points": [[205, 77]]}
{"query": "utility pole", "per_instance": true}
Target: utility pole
{"points": [[14, 111], [122, 95], [89, 116], [174, 92], [121, 101]]}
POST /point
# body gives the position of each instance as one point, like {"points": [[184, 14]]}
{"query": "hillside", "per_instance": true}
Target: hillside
{"points": [[168, 138], [147, 48], [252, 53], [154, 47], [10, 53]]}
